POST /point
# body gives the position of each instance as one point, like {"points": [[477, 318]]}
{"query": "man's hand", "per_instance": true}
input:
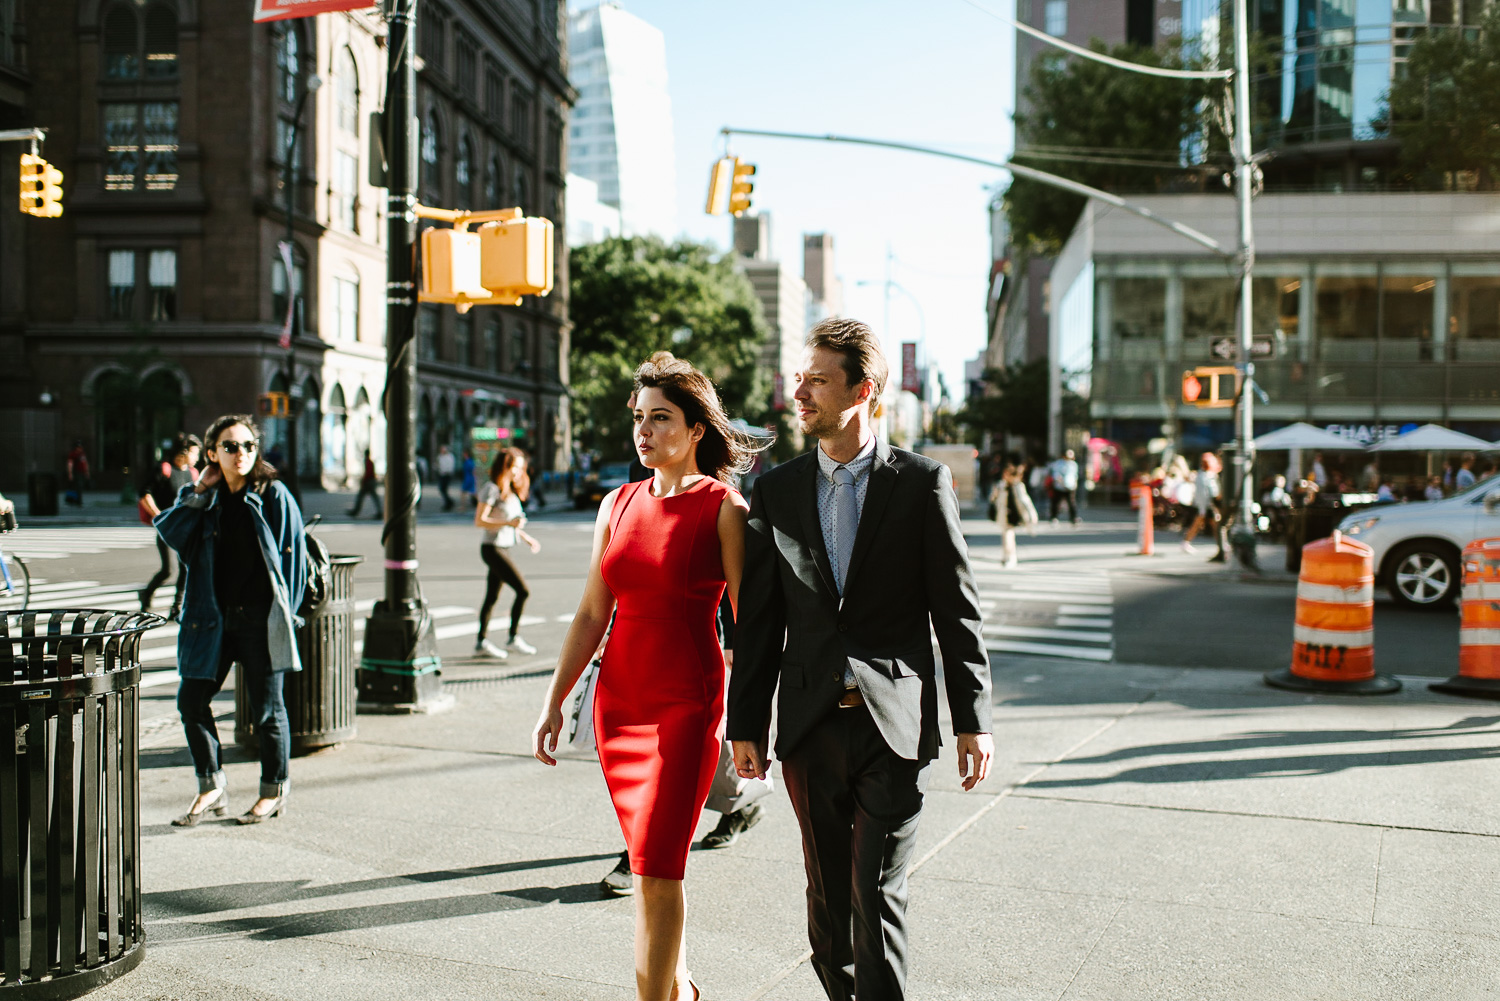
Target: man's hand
{"points": [[976, 747], [750, 758]]}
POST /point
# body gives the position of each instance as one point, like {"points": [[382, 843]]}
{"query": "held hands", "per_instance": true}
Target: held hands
{"points": [[549, 727], [976, 747], [750, 758]]}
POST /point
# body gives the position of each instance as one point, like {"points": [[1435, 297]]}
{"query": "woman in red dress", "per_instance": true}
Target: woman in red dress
{"points": [[665, 549]]}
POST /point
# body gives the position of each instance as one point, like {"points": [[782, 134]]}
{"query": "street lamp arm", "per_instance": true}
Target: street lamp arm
{"points": [[1030, 173]]}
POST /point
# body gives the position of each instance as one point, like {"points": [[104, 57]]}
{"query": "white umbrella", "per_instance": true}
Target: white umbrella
{"points": [[1298, 436], [1432, 438]]}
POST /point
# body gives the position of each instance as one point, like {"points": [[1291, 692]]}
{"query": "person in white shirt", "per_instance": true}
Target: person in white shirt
{"points": [[1464, 478], [500, 517], [1064, 473], [445, 469], [1434, 489], [1319, 473], [1384, 492], [1205, 496]]}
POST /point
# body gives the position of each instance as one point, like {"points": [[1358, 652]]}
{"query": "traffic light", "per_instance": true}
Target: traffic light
{"points": [[740, 188], [506, 258], [41, 187], [1210, 387], [274, 405], [720, 176]]}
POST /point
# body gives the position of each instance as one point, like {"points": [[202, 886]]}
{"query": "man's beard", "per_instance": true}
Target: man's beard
{"points": [[820, 425]]}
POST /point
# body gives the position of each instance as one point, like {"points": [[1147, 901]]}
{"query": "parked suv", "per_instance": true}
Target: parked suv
{"points": [[1417, 545]]}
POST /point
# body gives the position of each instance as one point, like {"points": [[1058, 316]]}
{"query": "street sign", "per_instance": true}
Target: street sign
{"points": [[1228, 348], [911, 379], [280, 10]]}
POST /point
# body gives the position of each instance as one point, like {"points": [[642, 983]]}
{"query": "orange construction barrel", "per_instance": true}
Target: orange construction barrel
{"points": [[1478, 624], [1333, 640]]}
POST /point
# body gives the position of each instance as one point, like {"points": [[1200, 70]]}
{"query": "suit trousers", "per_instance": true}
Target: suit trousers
{"points": [[858, 803]]}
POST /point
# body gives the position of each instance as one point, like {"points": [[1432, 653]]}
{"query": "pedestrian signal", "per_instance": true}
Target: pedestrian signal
{"points": [[720, 177], [275, 405], [1209, 388], [741, 188], [41, 187], [507, 257]]}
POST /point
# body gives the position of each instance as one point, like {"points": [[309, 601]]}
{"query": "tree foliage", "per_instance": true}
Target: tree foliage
{"points": [[1445, 108], [1129, 128], [631, 296], [1016, 403]]}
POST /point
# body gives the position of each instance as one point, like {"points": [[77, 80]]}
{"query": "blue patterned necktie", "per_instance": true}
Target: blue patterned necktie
{"points": [[845, 520]]}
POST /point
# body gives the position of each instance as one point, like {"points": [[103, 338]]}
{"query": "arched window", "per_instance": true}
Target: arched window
{"points": [[360, 427], [346, 92], [161, 42], [346, 304], [492, 184], [140, 42], [431, 151], [520, 190], [309, 449], [334, 435], [288, 61], [122, 29], [463, 173]]}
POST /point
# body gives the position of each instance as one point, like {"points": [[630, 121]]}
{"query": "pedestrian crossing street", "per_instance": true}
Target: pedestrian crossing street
{"points": [[1046, 611]]}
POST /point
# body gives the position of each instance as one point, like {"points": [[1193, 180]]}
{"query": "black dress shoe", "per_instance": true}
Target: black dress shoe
{"points": [[619, 881], [732, 825]]}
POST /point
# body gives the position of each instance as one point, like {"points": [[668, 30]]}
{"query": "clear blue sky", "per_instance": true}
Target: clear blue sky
{"points": [[932, 72]]}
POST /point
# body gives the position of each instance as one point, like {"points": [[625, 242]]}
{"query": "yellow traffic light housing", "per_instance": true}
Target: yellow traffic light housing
{"points": [[41, 187], [509, 256], [720, 177], [740, 187], [1210, 388], [274, 404]]}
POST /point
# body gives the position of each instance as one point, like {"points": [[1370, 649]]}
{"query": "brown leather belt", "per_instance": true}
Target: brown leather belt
{"points": [[853, 698]]}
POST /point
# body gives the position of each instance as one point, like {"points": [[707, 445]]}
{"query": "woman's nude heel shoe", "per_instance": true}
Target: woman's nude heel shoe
{"points": [[218, 808]]}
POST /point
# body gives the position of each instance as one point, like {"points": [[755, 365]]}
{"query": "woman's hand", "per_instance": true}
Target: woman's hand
{"points": [[210, 478], [549, 727], [536, 546]]}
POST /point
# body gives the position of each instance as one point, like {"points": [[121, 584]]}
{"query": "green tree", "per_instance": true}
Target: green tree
{"points": [[1016, 404], [1103, 126], [1445, 108], [631, 296]]}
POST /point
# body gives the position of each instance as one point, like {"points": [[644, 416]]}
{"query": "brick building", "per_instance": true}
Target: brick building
{"points": [[157, 300]]}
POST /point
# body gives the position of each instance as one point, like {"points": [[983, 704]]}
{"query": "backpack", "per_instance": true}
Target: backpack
{"points": [[319, 566]]}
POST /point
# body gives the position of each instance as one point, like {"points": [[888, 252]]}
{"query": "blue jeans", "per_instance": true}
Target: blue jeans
{"points": [[244, 644]]}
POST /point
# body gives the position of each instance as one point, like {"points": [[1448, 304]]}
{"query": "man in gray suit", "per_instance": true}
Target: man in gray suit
{"points": [[852, 551]]}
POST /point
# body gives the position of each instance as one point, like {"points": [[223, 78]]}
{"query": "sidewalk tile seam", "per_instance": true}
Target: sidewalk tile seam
{"points": [[1258, 816], [1093, 946]]}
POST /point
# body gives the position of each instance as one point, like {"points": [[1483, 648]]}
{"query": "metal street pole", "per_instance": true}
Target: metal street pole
{"points": [[399, 669], [312, 84], [1244, 168]]}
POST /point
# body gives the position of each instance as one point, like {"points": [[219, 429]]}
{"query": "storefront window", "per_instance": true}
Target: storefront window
{"points": [[1474, 317], [1347, 309], [1208, 307], [1276, 304], [1139, 309], [1407, 317]]}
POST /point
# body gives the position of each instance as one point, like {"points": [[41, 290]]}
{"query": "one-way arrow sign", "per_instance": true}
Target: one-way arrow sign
{"points": [[1228, 349]]}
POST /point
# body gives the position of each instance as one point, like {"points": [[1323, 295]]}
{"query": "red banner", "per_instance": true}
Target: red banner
{"points": [[280, 10], [911, 379]]}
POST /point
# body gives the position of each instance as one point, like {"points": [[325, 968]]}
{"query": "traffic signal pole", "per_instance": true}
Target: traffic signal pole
{"points": [[399, 671], [1244, 169]]}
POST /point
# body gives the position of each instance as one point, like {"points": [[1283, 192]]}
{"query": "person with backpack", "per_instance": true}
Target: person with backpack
{"points": [[159, 494], [240, 533]]}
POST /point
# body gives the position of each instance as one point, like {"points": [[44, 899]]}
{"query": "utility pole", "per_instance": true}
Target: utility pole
{"points": [[1244, 184], [399, 669]]}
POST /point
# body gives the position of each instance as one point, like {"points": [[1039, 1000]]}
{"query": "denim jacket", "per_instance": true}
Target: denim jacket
{"points": [[191, 527]]}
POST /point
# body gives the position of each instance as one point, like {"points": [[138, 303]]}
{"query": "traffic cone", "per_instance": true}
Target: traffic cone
{"points": [[1145, 515], [1479, 625], [1333, 649]]}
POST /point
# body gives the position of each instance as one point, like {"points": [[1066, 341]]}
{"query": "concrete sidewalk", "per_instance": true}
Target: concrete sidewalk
{"points": [[1147, 833]]}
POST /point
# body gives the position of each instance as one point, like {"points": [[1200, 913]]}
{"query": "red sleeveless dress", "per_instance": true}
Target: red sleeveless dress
{"points": [[659, 704]]}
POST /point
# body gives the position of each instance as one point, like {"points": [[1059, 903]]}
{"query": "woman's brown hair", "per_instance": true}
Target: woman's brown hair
{"points": [[723, 452], [504, 462], [262, 473]]}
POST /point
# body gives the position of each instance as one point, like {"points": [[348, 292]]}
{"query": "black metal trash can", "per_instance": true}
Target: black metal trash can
{"points": [[1309, 524], [320, 698], [41, 495], [70, 815]]}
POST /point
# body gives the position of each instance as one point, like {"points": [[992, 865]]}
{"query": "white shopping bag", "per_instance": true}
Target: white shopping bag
{"points": [[581, 725]]}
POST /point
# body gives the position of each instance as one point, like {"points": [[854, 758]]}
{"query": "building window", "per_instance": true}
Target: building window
{"points": [[432, 37], [1139, 309], [135, 44], [121, 305], [492, 184], [494, 94], [1056, 18], [278, 284], [492, 343], [140, 146], [431, 151], [465, 65], [161, 281], [1209, 307], [463, 171], [1346, 313], [463, 339], [288, 62], [554, 144], [552, 361], [334, 434], [521, 190], [427, 333], [1474, 316], [346, 94], [1406, 316], [520, 350], [344, 197], [346, 304], [520, 119]]}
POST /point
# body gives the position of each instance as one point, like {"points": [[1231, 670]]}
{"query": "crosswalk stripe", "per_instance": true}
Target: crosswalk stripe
{"points": [[1049, 598], [1086, 621], [1050, 650], [1081, 635]]}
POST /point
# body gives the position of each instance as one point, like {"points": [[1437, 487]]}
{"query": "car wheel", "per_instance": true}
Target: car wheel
{"points": [[1423, 575]]}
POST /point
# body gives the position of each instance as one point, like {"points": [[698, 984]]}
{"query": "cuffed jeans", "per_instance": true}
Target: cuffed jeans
{"points": [[244, 644]]}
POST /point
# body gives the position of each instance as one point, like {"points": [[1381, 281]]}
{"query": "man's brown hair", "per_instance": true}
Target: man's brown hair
{"points": [[860, 348]]}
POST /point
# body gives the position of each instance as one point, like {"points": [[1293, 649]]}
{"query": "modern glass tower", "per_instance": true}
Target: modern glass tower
{"points": [[621, 130]]}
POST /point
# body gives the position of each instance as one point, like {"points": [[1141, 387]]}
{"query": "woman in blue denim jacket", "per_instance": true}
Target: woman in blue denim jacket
{"points": [[238, 533]]}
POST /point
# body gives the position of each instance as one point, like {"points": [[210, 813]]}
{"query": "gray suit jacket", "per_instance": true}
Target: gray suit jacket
{"points": [[910, 567]]}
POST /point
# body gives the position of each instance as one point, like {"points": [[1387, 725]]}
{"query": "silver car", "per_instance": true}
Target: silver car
{"points": [[1417, 545]]}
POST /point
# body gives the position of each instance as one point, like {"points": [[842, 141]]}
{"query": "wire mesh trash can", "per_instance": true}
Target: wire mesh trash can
{"points": [[320, 698], [70, 812]]}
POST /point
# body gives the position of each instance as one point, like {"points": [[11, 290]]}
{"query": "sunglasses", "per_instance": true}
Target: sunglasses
{"points": [[233, 447]]}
